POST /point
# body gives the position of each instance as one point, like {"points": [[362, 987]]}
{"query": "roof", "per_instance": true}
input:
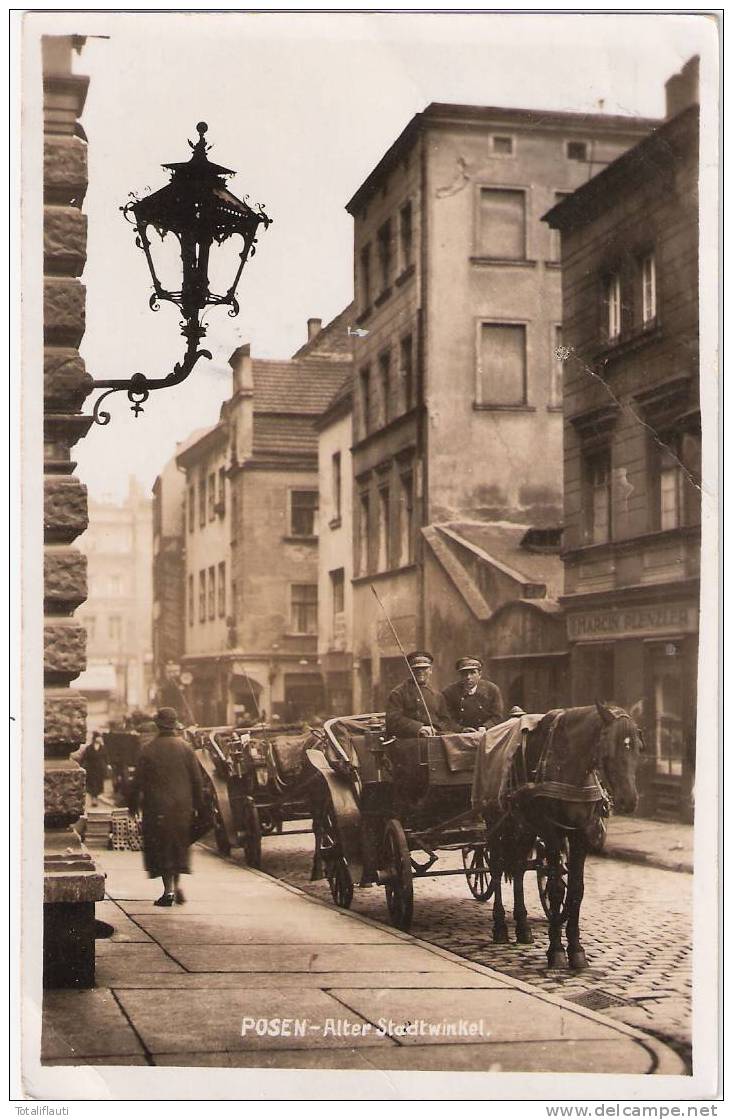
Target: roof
{"points": [[438, 113], [201, 441], [501, 540], [649, 158], [284, 435], [339, 405], [333, 339], [301, 386]]}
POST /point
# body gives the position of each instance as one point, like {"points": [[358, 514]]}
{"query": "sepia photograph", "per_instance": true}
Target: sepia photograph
{"points": [[368, 474]]}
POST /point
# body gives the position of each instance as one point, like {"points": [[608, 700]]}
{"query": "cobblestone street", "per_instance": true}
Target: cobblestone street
{"points": [[635, 925]]}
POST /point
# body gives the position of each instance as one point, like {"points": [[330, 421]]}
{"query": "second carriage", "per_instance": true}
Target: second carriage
{"points": [[383, 809]]}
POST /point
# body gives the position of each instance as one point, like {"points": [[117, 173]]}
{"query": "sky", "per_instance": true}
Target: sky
{"points": [[302, 106]]}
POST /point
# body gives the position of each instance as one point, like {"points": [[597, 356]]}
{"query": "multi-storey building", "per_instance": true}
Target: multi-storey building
{"points": [[251, 539], [335, 619], [117, 614], [457, 393], [633, 440]]}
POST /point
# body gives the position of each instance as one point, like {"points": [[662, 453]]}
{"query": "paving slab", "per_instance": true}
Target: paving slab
{"points": [[129, 1060], [394, 957], [193, 1021], [117, 961], [453, 976], [124, 928], [439, 1017], [85, 1024], [277, 925]]}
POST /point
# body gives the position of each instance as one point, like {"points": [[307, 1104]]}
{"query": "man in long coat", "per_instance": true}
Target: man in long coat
{"points": [[474, 703], [168, 783], [412, 712]]}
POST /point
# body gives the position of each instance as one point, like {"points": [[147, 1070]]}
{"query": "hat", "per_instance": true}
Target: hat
{"points": [[420, 659], [465, 663], [166, 719]]}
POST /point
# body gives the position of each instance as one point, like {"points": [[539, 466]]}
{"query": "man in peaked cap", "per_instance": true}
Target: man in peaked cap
{"points": [[474, 703], [413, 711]]}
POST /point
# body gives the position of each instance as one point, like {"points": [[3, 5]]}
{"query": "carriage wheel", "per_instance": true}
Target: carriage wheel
{"points": [[252, 834], [220, 833], [476, 868], [543, 878], [336, 867], [398, 875]]}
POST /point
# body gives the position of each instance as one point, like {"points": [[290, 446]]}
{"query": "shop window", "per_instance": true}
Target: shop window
{"points": [[304, 608], [502, 372], [668, 689], [501, 231], [222, 590], [303, 513], [406, 236], [212, 592], [597, 496]]}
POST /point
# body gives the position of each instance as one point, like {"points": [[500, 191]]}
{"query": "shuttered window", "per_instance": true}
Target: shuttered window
{"points": [[501, 224], [502, 373]]}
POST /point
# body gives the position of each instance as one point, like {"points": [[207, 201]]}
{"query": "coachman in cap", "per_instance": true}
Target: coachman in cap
{"points": [[474, 703], [413, 708]]}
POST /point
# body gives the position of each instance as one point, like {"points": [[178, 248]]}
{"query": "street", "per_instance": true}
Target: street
{"points": [[635, 925]]}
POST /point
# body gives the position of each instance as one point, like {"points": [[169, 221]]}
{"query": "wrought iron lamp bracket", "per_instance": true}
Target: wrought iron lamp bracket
{"points": [[139, 387]]}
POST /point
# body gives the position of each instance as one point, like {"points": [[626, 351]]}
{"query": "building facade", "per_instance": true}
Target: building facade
{"points": [[169, 593], [633, 441], [457, 393], [335, 592], [117, 614]]}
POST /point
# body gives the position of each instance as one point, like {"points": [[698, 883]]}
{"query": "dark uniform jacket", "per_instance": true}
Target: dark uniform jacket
{"points": [[168, 783], [406, 712], [483, 708]]}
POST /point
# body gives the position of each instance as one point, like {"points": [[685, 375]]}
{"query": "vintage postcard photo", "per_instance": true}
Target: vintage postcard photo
{"points": [[369, 536]]}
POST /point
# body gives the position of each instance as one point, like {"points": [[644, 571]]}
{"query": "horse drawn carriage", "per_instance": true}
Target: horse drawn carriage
{"points": [[255, 778]]}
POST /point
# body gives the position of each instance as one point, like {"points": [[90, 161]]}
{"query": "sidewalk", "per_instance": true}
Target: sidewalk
{"points": [[254, 973], [665, 844]]}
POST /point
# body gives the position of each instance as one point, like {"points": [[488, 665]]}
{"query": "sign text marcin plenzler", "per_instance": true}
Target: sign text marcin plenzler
{"points": [[666, 618]]}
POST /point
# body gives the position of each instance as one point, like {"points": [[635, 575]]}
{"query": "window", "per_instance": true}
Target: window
{"points": [[221, 501], [577, 150], [384, 385], [336, 485], [555, 233], [384, 252], [235, 600], [191, 508], [202, 502], [366, 401], [91, 624], [612, 302], [221, 604], [114, 628], [407, 376], [676, 462], [202, 596], [502, 145], [212, 592], [114, 586], [212, 496], [556, 368], [406, 529], [406, 235], [190, 600], [502, 373], [668, 691], [365, 275], [383, 548], [304, 608], [363, 538], [337, 591], [598, 497], [303, 513], [501, 225], [648, 290]]}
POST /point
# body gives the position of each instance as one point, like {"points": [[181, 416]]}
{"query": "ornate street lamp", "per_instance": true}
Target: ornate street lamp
{"points": [[201, 213]]}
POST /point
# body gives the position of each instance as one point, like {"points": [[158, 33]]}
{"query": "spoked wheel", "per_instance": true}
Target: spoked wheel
{"points": [[334, 861], [398, 875], [252, 834], [543, 877], [476, 868], [223, 845]]}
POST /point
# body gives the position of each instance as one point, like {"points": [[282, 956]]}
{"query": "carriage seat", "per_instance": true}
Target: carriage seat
{"points": [[287, 757]]}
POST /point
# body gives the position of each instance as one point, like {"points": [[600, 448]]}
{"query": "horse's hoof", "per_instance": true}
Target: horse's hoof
{"points": [[577, 959], [556, 958], [524, 937], [500, 937]]}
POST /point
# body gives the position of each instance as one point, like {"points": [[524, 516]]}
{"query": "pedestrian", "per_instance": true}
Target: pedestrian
{"points": [[167, 783], [93, 759], [474, 703], [413, 708]]}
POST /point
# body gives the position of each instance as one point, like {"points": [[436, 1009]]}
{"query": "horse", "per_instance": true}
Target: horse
{"points": [[558, 802]]}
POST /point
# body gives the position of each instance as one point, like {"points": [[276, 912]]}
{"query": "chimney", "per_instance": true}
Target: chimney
{"points": [[241, 364], [683, 89], [314, 327]]}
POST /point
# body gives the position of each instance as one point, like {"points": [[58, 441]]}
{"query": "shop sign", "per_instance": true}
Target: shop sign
{"points": [[622, 622]]}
